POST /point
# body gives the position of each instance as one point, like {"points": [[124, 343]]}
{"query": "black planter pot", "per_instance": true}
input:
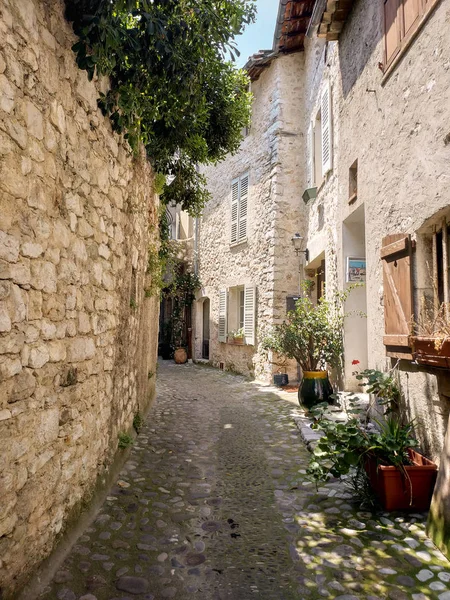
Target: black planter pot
{"points": [[314, 389], [166, 351], [280, 379]]}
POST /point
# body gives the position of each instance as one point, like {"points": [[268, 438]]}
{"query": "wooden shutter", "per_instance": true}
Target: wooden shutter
{"points": [[223, 309], [310, 155], [396, 252], [391, 30], [234, 210], [325, 111], [411, 15], [243, 204], [249, 314]]}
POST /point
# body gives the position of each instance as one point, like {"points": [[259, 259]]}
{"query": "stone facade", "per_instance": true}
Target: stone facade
{"points": [[77, 335], [394, 125], [272, 156]]}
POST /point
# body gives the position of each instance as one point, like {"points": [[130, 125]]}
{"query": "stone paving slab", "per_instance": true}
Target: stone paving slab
{"points": [[214, 504]]}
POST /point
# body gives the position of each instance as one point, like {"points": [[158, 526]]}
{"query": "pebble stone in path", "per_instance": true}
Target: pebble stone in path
{"points": [[214, 504]]}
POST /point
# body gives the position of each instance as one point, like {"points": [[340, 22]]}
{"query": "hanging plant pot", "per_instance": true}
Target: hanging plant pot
{"points": [[315, 388], [408, 490], [180, 356]]}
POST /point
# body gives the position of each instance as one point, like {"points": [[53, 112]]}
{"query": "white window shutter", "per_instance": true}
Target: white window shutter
{"points": [[249, 314], [234, 210], [243, 197], [310, 156], [325, 110], [223, 309]]}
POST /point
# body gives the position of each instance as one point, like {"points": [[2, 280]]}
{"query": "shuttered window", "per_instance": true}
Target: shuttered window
{"points": [[325, 109], [310, 156], [223, 310], [401, 20], [396, 252], [239, 209], [237, 309], [249, 314]]}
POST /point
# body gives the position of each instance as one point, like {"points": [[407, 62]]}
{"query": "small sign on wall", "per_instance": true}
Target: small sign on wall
{"points": [[356, 269]]}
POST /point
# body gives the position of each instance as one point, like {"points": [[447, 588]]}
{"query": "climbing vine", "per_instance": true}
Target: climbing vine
{"points": [[172, 85]]}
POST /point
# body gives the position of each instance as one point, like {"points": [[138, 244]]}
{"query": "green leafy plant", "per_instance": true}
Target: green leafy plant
{"points": [[311, 334], [150, 374], [237, 334], [172, 86], [181, 289], [133, 303], [125, 440], [384, 386], [138, 421], [345, 446]]}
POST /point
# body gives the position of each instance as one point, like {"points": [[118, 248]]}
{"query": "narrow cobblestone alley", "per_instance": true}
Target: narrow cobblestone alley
{"points": [[213, 503]]}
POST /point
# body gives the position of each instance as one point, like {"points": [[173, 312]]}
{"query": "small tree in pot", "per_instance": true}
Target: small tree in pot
{"points": [[312, 335]]}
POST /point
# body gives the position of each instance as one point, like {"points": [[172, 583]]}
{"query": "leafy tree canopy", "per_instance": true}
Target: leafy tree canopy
{"points": [[173, 87]]}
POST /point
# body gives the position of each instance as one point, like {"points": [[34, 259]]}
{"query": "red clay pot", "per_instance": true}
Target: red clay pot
{"points": [[399, 492]]}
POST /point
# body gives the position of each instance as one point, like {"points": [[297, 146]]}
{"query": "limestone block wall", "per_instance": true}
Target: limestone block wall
{"points": [[272, 154], [77, 335]]}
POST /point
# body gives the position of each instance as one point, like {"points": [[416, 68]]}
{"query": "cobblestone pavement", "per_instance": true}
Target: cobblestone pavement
{"points": [[213, 503]]}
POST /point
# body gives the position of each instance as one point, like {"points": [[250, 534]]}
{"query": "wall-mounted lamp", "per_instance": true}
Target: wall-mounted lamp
{"points": [[297, 240]]}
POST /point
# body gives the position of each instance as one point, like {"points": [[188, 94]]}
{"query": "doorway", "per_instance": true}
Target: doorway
{"points": [[205, 336]]}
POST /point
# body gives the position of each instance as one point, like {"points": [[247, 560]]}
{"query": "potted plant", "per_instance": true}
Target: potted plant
{"points": [[430, 344], [236, 337], [312, 335], [383, 457], [181, 289]]}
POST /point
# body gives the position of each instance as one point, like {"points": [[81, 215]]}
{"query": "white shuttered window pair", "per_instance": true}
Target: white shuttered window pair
{"points": [[239, 206], [320, 141], [249, 315]]}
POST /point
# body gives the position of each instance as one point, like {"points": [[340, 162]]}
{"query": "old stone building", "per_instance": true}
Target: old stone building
{"points": [[349, 146], [77, 334]]}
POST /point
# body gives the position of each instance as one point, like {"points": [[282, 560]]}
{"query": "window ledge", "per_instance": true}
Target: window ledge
{"points": [[387, 71], [239, 243]]}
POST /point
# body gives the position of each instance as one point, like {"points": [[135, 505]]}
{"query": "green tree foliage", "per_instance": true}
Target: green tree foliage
{"points": [[173, 87]]}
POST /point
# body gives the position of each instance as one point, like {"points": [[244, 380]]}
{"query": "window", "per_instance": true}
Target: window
{"points": [[402, 19], [237, 307], [239, 203], [320, 143]]}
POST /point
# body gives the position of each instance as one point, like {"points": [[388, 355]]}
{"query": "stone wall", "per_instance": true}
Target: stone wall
{"points": [[77, 335], [272, 153]]}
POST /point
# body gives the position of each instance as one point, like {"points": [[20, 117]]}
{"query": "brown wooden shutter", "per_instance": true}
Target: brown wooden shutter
{"points": [[396, 251], [391, 29], [411, 14]]}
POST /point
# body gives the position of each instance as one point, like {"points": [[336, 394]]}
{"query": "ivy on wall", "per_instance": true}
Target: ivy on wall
{"points": [[173, 87]]}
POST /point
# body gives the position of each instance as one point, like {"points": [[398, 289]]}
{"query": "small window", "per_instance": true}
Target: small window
{"points": [[353, 182]]}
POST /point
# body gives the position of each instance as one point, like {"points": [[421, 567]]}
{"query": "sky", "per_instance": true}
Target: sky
{"points": [[259, 35]]}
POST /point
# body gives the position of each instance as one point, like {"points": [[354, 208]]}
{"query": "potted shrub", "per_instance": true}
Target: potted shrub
{"points": [[236, 337], [312, 335], [181, 289], [400, 477]]}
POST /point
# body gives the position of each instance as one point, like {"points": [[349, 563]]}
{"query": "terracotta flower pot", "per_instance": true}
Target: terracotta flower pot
{"points": [[180, 356], [237, 341], [425, 353], [397, 491]]}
